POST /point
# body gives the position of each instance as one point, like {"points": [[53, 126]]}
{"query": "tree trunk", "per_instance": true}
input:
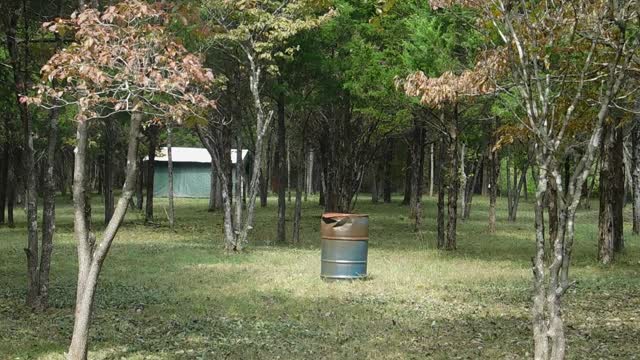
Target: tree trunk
{"points": [[618, 187], [48, 212], [606, 220], [4, 169], [107, 172], [635, 174], [454, 181], [552, 205], [374, 184], [407, 179], [431, 177], [442, 188], [152, 141], [471, 185], [282, 170], [288, 173], [388, 159], [463, 182], [518, 185], [309, 175], [28, 153], [492, 171], [509, 187], [11, 192], [140, 185], [297, 214], [170, 194], [415, 203], [540, 336], [91, 256]]}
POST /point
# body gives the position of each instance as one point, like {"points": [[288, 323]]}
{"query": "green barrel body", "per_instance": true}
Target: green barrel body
{"points": [[345, 245]]}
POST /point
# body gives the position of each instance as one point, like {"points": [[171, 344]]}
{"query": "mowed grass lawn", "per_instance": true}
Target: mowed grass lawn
{"points": [[178, 295]]}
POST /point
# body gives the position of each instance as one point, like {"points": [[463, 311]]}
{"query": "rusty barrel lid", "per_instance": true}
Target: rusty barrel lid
{"points": [[341, 226]]}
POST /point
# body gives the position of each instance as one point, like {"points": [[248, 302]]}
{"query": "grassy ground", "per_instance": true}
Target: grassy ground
{"points": [[166, 295]]}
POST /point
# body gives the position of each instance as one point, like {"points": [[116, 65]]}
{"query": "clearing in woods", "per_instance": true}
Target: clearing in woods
{"points": [[166, 295]]}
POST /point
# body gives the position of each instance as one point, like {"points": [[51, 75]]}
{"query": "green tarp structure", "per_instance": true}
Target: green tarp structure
{"points": [[191, 172], [190, 180]]}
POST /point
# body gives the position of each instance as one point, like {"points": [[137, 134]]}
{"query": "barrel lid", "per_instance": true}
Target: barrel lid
{"points": [[342, 215]]}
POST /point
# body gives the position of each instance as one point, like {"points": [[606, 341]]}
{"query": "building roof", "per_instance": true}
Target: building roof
{"points": [[194, 155]]}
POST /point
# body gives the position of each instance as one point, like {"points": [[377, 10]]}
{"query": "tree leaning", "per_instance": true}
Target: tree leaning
{"points": [[122, 61]]}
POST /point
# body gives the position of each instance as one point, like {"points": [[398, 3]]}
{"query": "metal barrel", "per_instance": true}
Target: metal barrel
{"points": [[345, 240]]}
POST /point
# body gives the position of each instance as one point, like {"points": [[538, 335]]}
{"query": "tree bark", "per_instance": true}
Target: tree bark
{"points": [[431, 167], [552, 208], [442, 188], [310, 168], [91, 256], [4, 169], [454, 180], [463, 182], [297, 214], [415, 203], [619, 192], [28, 152], [471, 185], [407, 179], [388, 159], [635, 174], [48, 212], [374, 183], [170, 194], [11, 191], [492, 171], [152, 143], [281, 165], [612, 192], [107, 170], [140, 185]]}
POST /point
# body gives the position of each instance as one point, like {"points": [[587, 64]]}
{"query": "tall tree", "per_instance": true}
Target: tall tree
{"points": [[161, 82], [258, 31]]}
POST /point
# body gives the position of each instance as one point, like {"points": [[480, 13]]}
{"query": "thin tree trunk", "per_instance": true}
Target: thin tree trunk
{"points": [[48, 212], [374, 184], [107, 170], [309, 188], [11, 192], [518, 191], [431, 177], [140, 185], [635, 174], [509, 187], [492, 170], [442, 188], [415, 203], [282, 171], [4, 170], [540, 336], [606, 226], [552, 205], [297, 214], [288, 173], [152, 138], [170, 194], [388, 159], [407, 179], [463, 182], [238, 185], [454, 180], [28, 161], [91, 256], [470, 189], [618, 188]]}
